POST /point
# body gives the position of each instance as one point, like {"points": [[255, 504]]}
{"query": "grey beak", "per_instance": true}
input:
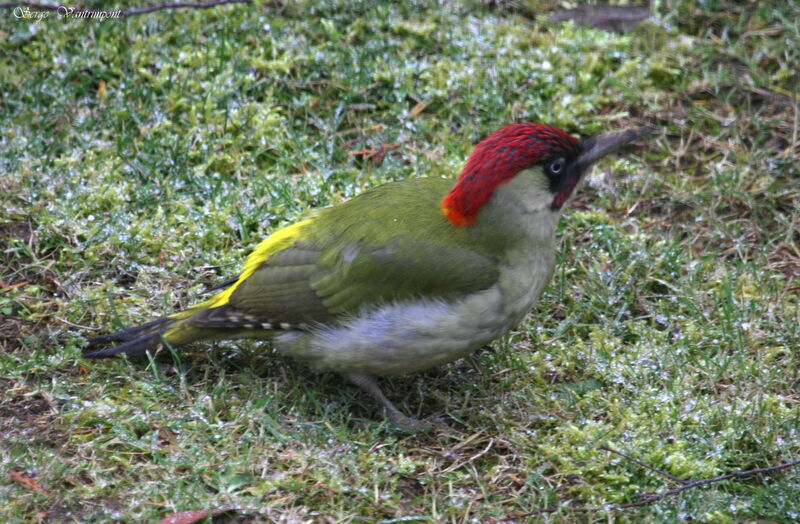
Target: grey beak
{"points": [[597, 147]]}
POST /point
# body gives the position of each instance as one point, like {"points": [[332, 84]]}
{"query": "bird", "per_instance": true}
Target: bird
{"points": [[404, 277]]}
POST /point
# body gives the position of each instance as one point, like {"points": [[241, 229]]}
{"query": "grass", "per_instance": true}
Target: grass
{"points": [[142, 159]]}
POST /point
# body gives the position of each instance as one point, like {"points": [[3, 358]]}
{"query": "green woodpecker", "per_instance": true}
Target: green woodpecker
{"points": [[408, 275]]}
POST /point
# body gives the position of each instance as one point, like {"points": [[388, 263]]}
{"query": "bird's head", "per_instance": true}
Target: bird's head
{"points": [[552, 161]]}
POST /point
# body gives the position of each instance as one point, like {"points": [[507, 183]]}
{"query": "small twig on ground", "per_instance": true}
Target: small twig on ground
{"points": [[67, 322], [128, 12], [652, 498], [645, 465]]}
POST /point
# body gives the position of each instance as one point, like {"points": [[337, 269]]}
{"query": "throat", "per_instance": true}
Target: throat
{"points": [[564, 193]]}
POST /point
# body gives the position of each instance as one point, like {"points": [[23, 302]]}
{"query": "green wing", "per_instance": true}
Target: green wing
{"points": [[389, 244]]}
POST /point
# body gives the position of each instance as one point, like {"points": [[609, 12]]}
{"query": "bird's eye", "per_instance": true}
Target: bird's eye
{"points": [[556, 167]]}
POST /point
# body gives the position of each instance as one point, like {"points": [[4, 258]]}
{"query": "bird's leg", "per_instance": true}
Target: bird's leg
{"points": [[395, 416], [474, 361]]}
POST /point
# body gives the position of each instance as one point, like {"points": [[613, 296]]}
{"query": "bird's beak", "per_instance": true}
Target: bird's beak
{"points": [[593, 149], [597, 147]]}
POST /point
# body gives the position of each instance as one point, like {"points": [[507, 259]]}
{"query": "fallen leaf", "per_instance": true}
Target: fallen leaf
{"points": [[365, 152], [379, 156], [419, 108], [188, 517], [5, 287], [193, 515], [26, 480]]}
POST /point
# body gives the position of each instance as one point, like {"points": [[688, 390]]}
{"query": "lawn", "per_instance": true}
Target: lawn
{"points": [[143, 158]]}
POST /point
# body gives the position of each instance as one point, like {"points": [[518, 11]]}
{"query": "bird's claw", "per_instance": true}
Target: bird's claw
{"points": [[414, 425]]}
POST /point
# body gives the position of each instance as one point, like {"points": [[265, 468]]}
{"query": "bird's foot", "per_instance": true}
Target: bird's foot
{"points": [[415, 425], [390, 412], [412, 425]]}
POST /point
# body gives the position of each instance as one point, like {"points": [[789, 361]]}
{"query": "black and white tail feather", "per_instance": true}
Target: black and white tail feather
{"points": [[183, 328]]}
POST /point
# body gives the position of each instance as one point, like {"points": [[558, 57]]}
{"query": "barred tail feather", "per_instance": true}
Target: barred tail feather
{"points": [[126, 335], [132, 348], [138, 340], [196, 323]]}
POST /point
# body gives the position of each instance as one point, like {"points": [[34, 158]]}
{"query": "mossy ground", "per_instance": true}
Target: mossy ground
{"points": [[143, 158]]}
